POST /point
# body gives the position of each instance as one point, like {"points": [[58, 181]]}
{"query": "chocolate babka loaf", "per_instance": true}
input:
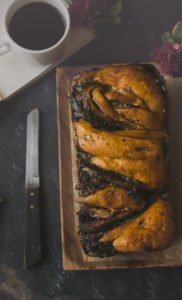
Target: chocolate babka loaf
{"points": [[120, 137]]}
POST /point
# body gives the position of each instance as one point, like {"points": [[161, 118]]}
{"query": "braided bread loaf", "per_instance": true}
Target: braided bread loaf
{"points": [[119, 122]]}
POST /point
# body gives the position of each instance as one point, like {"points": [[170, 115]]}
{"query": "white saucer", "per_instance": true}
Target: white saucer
{"points": [[16, 73]]}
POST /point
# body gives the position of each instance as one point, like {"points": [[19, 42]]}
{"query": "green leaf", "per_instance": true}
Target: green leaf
{"points": [[167, 37], [116, 9], [177, 32]]}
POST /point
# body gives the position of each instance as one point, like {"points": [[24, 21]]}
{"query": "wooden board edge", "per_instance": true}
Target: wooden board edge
{"points": [[64, 258], [66, 261], [59, 147], [89, 267]]}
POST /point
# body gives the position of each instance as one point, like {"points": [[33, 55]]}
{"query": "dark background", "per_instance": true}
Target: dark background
{"points": [[48, 281]]}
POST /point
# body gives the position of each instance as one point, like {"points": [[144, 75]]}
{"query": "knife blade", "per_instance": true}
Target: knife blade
{"points": [[32, 241]]}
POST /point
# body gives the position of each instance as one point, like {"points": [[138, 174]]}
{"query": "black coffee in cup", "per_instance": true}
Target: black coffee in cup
{"points": [[36, 26]]}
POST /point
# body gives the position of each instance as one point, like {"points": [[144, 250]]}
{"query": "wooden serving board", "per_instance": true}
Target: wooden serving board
{"points": [[72, 254]]}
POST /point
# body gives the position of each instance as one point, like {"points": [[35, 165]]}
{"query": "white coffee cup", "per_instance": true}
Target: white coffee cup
{"points": [[45, 56]]}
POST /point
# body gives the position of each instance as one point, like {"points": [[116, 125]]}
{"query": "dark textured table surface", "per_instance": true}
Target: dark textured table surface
{"points": [[48, 281]]}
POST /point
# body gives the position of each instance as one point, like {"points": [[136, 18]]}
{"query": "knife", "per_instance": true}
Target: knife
{"points": [[32, 240]]}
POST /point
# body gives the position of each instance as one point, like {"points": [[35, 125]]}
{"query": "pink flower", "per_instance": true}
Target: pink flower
{"points": [[78, 9], [177, 47], [169, 57]]}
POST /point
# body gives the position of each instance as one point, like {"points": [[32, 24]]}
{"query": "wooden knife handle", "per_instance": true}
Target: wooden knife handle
{"points": [[32, 247]]}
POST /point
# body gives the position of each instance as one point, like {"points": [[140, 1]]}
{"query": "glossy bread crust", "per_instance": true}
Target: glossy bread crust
{"points": [[152, 230], [138, 79], [120, 137]]}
